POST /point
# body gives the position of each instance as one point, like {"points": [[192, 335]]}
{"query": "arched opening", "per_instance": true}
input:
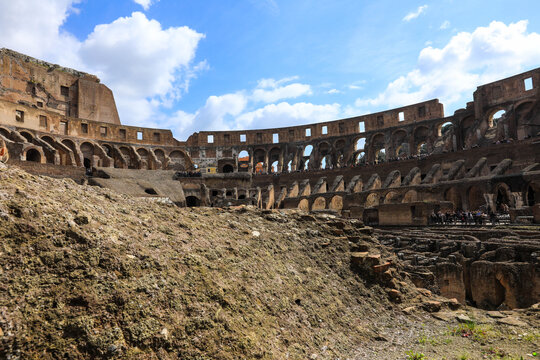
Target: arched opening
{"points": [[340, 144], [178, 161], [5, 132], [259, 168], [360, 158], [228, 168], [360, 144], [274, 167], [476, 199], [243, 161], [422, 149], [241, 196], [410, 197], [445, 128], [391, 198], [319, 204], [527, 125], [69, 144], [531, 196], [150, 191], [49, 140], [336, 203], [402, 151], [192, 201], [502, 201], [108, 149], [496, 117], [273, 157], [160, 155], [33, 155], [308, 150], [324, 163], [27, 136], [453, 196], [303, 205], [421, 135], [143, 153], [87, 163], [380, 156], [372, 200], [259, 158], [228, 193]]}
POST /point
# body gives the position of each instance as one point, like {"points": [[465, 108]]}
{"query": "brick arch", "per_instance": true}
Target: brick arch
{"points": [[372, 200], [452, 194], [5, 132], [27, 135], [391, 197], [399, 140], [48, 139], [465, 126], [178, 161], [410, 197], [35, 154], [336, 203], [319, 204], [524, 128], [159, 154], [475, 197], [493, 111], [303, 205]]}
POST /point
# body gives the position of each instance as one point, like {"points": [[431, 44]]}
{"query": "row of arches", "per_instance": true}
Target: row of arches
{"points": [[342, 152], [86, 153]]}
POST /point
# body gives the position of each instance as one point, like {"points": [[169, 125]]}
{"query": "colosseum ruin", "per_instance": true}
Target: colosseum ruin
{"points": [[407, 167]]}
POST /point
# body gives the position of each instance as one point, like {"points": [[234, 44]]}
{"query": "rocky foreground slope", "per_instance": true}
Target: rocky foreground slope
{"points": [[87, 273]]}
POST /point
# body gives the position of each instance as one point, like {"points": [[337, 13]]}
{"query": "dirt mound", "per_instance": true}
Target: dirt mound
{"points": [[87, 273]]}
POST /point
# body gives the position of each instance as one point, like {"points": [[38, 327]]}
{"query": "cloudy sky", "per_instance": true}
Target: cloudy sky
{"points": [[191, 65]]}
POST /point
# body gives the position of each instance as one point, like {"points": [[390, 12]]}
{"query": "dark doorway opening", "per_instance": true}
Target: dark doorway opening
{"points": [[88, 166], [531, 196], [228, 169], [192, 201], [33, 155]]}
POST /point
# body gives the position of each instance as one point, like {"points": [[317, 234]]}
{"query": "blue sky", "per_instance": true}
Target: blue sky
{"points": [[192, 65]]}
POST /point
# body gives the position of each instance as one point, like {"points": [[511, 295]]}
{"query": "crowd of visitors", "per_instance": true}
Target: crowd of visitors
{"points": [[188, 174], [477, 217]]}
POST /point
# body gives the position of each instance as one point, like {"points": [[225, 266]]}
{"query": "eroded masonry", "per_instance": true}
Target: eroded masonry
{"points": [[407, 166]]}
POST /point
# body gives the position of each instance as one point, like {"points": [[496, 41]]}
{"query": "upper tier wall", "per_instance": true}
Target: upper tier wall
{"points": [[67, 92], [406, 115]]}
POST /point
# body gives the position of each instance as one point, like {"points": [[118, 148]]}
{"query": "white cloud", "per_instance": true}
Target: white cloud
{"points": [[453, 72], [145, 3], [239, 111], [285, 114], [270, 90], [445, 25], [144, 64], [333, 91], [414, 14], [33, 27]]}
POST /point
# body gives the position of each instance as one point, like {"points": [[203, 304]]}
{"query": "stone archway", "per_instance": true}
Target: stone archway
{"points": [[303, 205], [319, 204], [372, 200], [336, 203], [33, 155]]}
